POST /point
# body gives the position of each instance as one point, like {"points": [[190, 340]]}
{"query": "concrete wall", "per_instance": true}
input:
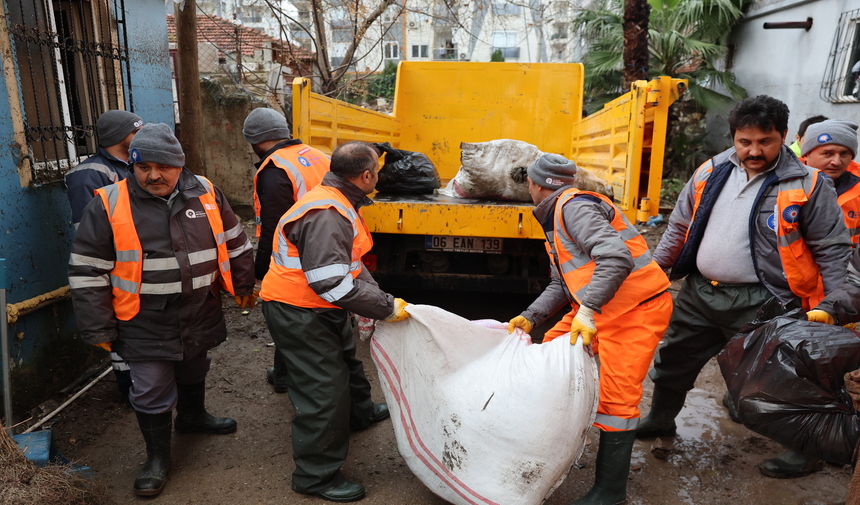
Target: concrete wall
{"points": [[36, 232], [788, 64]]}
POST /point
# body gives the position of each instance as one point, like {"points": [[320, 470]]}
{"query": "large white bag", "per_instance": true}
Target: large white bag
{"points": [[480, 416], [497, 170]]}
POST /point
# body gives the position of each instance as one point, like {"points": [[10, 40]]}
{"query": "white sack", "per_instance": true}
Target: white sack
{"points": [[481, 416], [497, 170]]}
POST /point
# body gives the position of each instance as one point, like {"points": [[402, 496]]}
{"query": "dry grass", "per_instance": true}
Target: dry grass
{"points": [[22, 483]]}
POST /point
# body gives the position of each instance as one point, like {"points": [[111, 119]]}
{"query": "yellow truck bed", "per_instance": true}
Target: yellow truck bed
{"points": [[438, 105]]}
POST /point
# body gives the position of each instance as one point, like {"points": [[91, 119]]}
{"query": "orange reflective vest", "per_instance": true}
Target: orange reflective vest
{"points": [[304, 165], [850, 203], [127, 273], [286, 282], [801, 271], [576, 267]]}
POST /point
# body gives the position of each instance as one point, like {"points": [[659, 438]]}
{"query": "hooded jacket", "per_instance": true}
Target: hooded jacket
{"points": [[820, 223], [180, 315]]}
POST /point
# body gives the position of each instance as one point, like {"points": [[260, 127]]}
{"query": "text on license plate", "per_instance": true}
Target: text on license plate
{"points": [[463, 244]]}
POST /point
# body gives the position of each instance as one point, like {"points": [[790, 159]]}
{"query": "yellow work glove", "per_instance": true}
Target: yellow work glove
{"points": [[104, 345], [248, 301], [520, 322], [820, 316], [583, 324], [399, 313]]}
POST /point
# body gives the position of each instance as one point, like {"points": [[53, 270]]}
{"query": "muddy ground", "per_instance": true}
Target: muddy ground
{"points": [[711, 461]]}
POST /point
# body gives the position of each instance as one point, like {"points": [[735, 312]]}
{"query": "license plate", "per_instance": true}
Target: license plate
{"points": [[463, 244]]}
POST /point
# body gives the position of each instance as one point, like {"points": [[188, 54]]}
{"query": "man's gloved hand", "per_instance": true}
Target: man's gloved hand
{"points": [[820, 316], [399, 313], [248, 301], [520, 322], [583, 324], [104, 345]]}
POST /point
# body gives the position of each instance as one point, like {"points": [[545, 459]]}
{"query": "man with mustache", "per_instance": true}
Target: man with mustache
{"points": [[147, 266], [752, 223]]}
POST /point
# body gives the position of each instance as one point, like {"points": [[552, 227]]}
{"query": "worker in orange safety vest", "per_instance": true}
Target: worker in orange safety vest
{"points": [[831, 147], [286, 171], [148, 263], [602, 266]]}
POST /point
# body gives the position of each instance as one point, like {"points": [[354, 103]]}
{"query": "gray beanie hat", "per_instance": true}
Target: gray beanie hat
{"points": [[841, 132], [115, 125], [155, 143], [552, 171], [264, 124]]}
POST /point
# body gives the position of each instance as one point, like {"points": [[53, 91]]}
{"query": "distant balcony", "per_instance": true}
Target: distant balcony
{"points": [[445, 54], [507, 52]]}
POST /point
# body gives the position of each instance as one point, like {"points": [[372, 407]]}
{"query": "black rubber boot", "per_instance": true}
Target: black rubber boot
{"points": [[191, 415], [379, 412], [156, 433], [611, 469], [789, 465], [660, 422], [277, 376]]}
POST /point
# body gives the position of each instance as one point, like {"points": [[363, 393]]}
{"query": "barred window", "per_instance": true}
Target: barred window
{"points": [[73, 65], [840, 84]]}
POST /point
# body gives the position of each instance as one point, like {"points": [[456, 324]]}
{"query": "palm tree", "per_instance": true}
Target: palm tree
{"points": [[686, 38]]}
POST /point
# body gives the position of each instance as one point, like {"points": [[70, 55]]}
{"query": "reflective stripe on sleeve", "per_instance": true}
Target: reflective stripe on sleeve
{"points": [[326, 272], [79, 260], [101, 281], [338, 291], [232, 253], [164, 288]]}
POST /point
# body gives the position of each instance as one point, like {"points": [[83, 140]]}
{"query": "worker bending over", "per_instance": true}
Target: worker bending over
{"points": [[603, 268], [315, 277]]}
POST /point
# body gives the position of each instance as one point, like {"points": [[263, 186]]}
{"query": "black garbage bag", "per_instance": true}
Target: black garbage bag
{"points": [[786, 379], [406, 172]]}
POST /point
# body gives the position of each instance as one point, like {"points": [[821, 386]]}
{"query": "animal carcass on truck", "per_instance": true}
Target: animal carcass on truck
{"points": [[435, 241]]}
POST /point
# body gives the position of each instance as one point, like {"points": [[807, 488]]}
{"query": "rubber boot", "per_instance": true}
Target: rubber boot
{"points": [[156, 434], [789, 465], [276, 375], [729, 404], [191, 415], [611, 469], [660, 422]]}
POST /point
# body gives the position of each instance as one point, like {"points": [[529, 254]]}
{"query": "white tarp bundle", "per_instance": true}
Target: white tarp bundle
{"points": [[497, 170], [480, 416]]}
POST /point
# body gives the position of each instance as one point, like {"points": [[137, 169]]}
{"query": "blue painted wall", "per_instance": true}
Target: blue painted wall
{"points": [[35, 223]]}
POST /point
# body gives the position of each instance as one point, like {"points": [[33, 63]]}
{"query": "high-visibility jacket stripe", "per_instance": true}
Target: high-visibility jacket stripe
{"points": [[198, 257], [76, 282], [156, 264], [644, 281], [303, 178], [81, 260], [286, 281]]}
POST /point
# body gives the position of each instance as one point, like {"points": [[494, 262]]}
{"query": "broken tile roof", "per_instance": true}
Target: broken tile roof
{"points": [[222, 33]]}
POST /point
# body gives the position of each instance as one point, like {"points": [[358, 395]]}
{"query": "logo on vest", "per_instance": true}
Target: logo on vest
{"points": [[851, 214], [303, 151], [771, 222], [135, 156], [791, 214], [192, 214], [304, 161], [824, 138], [210, 206]]}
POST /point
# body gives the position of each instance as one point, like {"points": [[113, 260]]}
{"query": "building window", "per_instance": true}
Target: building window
{"points": [[73, 65], [506, 9], [506, 42], [840, 83], [420, 50], [391, 51]]}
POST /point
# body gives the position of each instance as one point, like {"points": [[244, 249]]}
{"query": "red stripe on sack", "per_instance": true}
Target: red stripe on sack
{"points": [[377, 350]]}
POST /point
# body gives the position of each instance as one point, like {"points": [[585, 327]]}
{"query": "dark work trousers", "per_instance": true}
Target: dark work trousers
{"points": [[326, 384], [704, 319], [153, 388]]}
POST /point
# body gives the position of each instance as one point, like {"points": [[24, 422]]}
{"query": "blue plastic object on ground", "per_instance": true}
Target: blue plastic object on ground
{"points": [[655, 220], [39, 448]]}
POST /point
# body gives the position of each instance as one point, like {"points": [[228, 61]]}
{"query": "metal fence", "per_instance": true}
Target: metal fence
{"points": [[840, 84], [73, 64]]}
